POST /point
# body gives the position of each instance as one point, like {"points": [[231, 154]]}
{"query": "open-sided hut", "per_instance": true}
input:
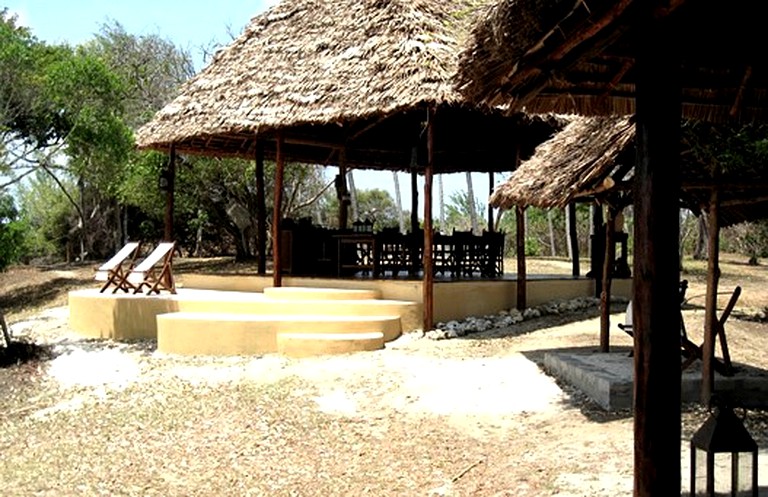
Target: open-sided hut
{"points": [[364, 84], [659, 60], [592, 160]]}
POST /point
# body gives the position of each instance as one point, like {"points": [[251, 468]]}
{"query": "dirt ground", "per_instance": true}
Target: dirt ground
{"points": [[472, 416]]}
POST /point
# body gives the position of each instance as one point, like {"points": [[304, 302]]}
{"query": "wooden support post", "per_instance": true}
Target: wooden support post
{"points": [[656, 303], [277, 266], [429, 283], [522, 277], [170, 194], [597, 248], [261, 211], [573, 239], [343, 191], [414, 270], [710, 316], [605, 294], [414, 194], [490, 207]]}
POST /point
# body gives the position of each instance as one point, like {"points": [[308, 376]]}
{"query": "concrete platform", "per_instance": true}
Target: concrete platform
{"points": [[608, 379], [123, 316]]}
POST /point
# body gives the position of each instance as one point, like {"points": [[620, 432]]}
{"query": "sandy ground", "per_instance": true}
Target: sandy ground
{"points": [[474, 416], [461, 417]]}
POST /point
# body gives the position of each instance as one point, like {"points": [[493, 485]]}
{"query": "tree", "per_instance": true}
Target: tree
{"points": [[12, 232]]}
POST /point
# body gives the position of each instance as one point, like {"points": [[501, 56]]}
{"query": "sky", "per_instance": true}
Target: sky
{"points": [[192, 25]]}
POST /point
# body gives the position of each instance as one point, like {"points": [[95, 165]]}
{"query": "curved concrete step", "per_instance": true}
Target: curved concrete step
{"points": [[315, 344], [311, 293], [197, 333]]}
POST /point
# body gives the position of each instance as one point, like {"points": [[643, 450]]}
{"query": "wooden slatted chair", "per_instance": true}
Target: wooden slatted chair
{"points": [[689, 350], [117, 268], [155, 272]]}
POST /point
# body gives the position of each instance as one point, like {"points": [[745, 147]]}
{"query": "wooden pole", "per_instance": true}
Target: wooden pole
{"points": [[277, 270], [522, 277], [710, 316], [343, 191], [261, 210], [655, 303], [414, 193], [605, 294], [170, 195], [428, 283], [414, 241], [597, 254], [573, 239], [490, 207]]}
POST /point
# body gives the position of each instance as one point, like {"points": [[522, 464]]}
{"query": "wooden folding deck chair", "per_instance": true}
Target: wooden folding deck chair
{"points": [[690, 351], [116, 268], [155, 272]]}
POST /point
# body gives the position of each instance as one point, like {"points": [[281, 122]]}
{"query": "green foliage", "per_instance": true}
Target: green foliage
{"points": [[12, 232], [48, 217], [458, 212]]}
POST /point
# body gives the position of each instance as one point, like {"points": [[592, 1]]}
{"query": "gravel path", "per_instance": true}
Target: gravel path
{"points": [[472, 416]]}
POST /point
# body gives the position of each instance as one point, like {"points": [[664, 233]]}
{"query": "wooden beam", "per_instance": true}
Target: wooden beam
{"points": [[605, 294], [429, 276], [491, 228], [573, 239], [342, 192], [710, 312], [522, 277], [261, 210], [277, 266], [170, 194], [414, 214], [656, 280]]}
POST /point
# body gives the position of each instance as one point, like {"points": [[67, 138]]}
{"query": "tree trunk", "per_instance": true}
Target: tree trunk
{"points": [[471, 203], [442, 202], [551, 226], [398, 202], [353, 195], [6, 332], [700, 249]]}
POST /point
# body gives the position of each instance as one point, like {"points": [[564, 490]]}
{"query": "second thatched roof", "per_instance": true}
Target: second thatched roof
{"points": [[594, 156], [586, 157]]}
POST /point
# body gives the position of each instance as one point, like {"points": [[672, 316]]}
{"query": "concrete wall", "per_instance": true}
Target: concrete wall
{"points": [[453, 299]]}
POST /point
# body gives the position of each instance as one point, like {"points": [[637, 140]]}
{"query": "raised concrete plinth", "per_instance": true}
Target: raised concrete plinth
{"points": [[608, 380], [129, 317], [195, 333]]}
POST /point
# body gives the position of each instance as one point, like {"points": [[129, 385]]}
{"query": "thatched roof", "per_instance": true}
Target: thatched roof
{"points": [[357, 74], [580, 160], [571, 56], [594, 156]]}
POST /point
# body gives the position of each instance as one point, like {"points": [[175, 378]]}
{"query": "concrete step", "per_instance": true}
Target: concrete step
{"points": [[314, 344], [204, 333], [310, 293], [410, 313]]}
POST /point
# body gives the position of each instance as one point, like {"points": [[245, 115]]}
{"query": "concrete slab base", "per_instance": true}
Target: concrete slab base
{"points": [[607, 379]]}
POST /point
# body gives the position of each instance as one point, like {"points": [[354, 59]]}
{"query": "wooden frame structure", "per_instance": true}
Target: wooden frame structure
{"points": [[658, 60]]}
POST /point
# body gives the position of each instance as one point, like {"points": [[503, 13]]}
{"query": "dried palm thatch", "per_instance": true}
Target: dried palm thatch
{"points": [[580, 160], [356, 74], [570, 56], [594, 156]]}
